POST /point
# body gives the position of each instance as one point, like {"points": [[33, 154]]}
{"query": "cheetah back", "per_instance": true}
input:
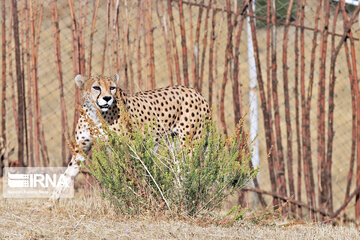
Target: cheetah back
{"points": [[177, 110]]}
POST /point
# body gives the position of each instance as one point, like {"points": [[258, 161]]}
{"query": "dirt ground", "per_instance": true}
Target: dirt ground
{"points": [[91, 217]]}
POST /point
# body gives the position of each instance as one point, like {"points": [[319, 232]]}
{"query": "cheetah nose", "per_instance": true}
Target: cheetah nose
{"points": [[107, 98]]}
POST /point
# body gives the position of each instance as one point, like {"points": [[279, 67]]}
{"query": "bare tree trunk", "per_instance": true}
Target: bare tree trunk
{"points": [[36, 22], [196, 49], [287, 111], [173, 38], [236, 83], [108, 7], [211, 56], [204, 46], [93, 22], [272, 147], [11, 74], [281, 180], [3, 80], [356, 125], [183, 44], [331, 117], [65, 136], [347, 33], [228, 59], [354, 110], [166, 41], [353, 51], [146, 50], [150, 40], [78, 69], [30, 122], [20, 86], [22, 47], [82, 27], [297, 117], [129, 50], [263, 104], [115, 35], [138, 37], [323, 186], [305, 107], [191, 44]]}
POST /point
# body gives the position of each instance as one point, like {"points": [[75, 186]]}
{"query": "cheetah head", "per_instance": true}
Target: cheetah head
{"points": [[99, 90]]}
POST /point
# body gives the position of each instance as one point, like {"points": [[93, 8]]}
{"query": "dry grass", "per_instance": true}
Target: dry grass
{"points": [[88, 216]]}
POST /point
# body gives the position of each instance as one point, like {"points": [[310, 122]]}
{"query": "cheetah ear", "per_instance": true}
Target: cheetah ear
{"points": [[79, 80], [116, 78]]}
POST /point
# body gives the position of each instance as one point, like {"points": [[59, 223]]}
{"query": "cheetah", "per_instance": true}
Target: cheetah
{"points": [[179, 111]]}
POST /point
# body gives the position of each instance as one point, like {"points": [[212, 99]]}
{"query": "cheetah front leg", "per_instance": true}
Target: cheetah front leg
{"points": [[84, 143], [71, 172]]}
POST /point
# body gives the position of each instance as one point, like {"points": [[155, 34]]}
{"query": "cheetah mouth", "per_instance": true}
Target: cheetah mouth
{"points": [[104, 107]]}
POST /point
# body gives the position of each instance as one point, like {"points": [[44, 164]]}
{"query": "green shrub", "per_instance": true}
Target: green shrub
{"points": [[191, 180]]}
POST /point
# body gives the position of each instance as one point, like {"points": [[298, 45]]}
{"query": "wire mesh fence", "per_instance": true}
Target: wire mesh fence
{"points": [[303, 61]]}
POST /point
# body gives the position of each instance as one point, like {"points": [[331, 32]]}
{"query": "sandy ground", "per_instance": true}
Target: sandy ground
{"points": [[91, 217]]}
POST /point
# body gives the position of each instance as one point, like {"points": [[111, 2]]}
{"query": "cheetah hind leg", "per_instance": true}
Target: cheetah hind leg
{"points": [[171, 140], [156, 148], [171, 146]]}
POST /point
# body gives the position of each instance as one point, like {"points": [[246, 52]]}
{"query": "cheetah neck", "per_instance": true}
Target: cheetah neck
{"points": [[92, 111], [121, 100]]}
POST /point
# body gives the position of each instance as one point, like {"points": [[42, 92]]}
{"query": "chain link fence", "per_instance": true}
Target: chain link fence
{"points": [[129, 37]]}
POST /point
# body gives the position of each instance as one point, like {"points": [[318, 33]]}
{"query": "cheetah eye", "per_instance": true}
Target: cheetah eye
{"points": [[97, 88], [112, 88]]}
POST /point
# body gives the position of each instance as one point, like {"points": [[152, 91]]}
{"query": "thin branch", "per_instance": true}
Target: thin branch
{"points": [[288, 199], [152, 178]]}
